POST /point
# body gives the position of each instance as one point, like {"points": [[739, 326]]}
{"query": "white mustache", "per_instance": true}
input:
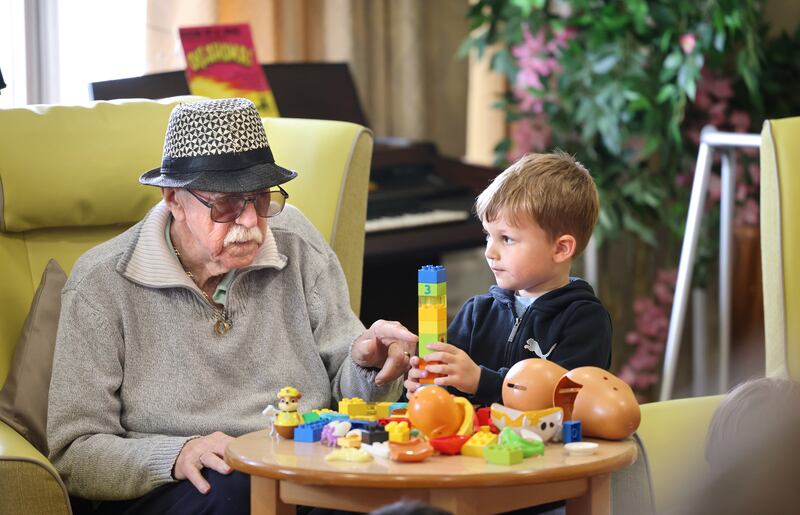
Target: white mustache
{"points": [[242, 234]]}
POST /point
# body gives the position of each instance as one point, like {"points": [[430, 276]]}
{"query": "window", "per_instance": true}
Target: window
{"points": [[12, 52], [69, 45], [99, 40]]}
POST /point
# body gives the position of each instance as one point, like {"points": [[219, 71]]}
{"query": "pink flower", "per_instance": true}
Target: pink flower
{"points": [[529, 135], [747, 214], [528, 102], [702, 100], [715, 84], [687, 42], [743, 191], [714, 188], [662, 293], [740, 121], [755, 173], [669, 277], [632, 338], [536, 59], [716, 114], [683, 180]]}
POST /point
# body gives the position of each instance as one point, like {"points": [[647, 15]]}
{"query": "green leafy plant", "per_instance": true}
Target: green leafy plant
{"points": [[611, 82]]}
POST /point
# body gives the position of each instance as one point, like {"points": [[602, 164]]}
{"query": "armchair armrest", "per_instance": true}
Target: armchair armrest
{"points": [[30, 483]]}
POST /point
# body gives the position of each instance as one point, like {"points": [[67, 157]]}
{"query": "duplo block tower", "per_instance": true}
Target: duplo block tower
{"points": [[432, 310]]}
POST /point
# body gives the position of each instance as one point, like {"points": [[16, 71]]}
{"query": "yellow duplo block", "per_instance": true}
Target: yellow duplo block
{"points": [[382, 409], [353, 406], [398, 431], [367, 418], [474, 446], [436, 327], [432, 312]]}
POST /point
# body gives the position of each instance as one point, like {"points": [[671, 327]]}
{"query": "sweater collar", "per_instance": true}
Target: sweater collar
{"points": [[149, 262]]}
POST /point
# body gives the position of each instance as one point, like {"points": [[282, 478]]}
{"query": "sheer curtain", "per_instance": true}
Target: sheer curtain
{"points": [[402, 53]]}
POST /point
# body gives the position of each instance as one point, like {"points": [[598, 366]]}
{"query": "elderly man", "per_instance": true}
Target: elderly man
{"points": [[175, 334]]}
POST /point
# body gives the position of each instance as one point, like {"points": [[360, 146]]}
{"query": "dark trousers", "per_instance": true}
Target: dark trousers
{"points": [[229, 494]]}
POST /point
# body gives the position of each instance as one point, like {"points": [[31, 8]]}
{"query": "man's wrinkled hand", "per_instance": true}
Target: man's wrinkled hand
{"points": [[204, 452], [388, 346]]}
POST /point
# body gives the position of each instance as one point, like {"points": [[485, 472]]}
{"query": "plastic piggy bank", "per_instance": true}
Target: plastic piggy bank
{"points": [[604, 403], [529, 384], [436, 413]]}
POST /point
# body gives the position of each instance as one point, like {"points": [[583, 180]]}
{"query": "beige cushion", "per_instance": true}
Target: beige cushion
{"points": [[23, 399]]}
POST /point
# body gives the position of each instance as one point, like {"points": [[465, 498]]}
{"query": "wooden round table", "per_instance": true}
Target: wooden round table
{"points": [[286, 473]]}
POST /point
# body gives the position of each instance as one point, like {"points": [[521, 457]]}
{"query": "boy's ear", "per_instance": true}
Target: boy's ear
{"points": [[564, 248]]}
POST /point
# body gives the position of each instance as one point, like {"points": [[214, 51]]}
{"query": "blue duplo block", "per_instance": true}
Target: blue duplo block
{"points": [[311, 432], [432, 274], [328, 416], [570, 431]]}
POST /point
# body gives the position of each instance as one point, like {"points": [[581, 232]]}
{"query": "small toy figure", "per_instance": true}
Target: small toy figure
{"points": [[271, 412], [287, 417], [351, 440], [333, 431], [545, 423]]}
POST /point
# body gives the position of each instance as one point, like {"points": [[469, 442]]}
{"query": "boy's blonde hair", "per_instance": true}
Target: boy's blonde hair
{"points": [[554, 190]]}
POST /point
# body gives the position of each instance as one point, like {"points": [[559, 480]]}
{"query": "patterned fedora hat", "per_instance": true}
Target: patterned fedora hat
{"points": [[217, 145]]}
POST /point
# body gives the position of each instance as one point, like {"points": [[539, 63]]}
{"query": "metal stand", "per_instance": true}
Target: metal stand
{"points": [[710, 140]]}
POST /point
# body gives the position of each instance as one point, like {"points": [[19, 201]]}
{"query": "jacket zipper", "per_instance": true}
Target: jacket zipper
{"points": [[517, 321], [514, 330]]}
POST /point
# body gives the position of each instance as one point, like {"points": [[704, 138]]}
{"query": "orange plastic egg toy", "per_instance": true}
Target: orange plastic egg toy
{"points": [[604, 403], [433, 411], [529, 384]]}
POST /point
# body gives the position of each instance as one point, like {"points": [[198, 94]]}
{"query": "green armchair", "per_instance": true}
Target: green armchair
{"points": [[69, 180]]}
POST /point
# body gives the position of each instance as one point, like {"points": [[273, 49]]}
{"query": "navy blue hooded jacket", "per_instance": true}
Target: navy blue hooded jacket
{"points": [[569, 324]]}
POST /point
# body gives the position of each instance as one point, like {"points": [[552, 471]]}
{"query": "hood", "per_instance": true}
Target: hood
{"points": [[553, 301]]}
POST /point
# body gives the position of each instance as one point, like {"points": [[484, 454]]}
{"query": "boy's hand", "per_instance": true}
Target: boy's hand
{"points": [[412, 380], [457, 367]]}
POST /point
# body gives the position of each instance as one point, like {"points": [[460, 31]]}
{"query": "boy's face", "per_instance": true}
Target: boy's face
{"points": [[523, 258]]}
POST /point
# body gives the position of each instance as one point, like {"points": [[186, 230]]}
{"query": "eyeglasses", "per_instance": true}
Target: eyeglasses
{"points": [[228, 208]]}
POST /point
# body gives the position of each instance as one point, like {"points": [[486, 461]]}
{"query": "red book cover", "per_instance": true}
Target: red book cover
{"points": [[221, 63]]}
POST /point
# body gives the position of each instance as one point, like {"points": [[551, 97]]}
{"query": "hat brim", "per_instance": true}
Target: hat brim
{"points": [[253, 178]]}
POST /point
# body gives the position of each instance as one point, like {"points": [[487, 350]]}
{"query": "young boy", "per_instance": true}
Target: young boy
{"points": [[538, 215]]}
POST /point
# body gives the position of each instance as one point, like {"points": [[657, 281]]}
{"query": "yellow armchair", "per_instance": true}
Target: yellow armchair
{"points": [[674, 432], [69, 180], [780, 245]]}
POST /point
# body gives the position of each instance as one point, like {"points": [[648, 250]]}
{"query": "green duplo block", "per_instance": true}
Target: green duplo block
{"points": [[310, 417], [501, 454], [425, 339], [431, 289]]}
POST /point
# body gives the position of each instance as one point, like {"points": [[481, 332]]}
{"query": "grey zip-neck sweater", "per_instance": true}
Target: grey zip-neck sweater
{"points": [[138, 368]]}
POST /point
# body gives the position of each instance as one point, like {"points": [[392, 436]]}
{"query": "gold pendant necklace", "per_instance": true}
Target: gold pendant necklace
{"points": [[223, 322]]}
